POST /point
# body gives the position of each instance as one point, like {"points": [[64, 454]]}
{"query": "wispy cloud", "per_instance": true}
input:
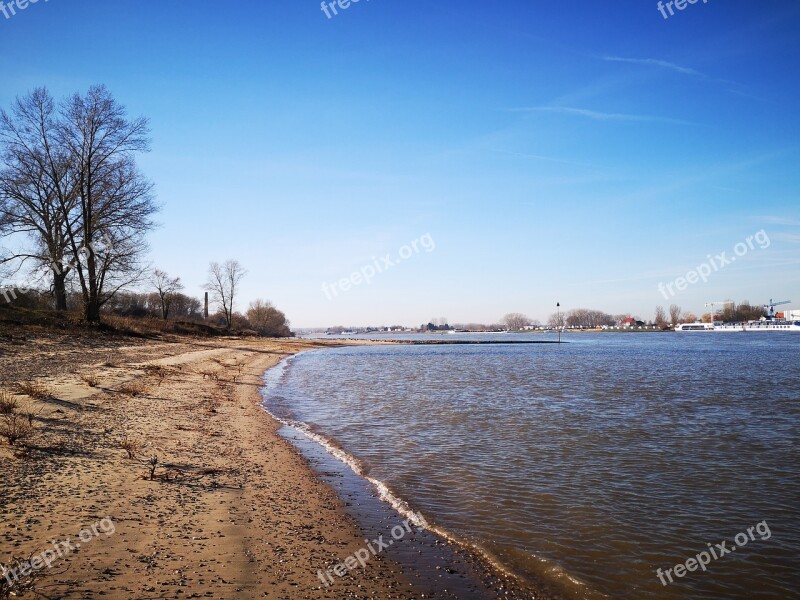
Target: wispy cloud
{"points": [[550, 159], [778, 220], [751, 96], [598, 115], [791, 238], [654, 62], [675, 68]]}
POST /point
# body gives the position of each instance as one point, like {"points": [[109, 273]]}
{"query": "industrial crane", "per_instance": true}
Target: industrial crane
{"points": [[771, 306]]}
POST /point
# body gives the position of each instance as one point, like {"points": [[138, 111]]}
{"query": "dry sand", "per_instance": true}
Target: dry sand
{"points": [[233, 511]]}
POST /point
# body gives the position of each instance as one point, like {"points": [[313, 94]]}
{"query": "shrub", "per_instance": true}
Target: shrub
{"points": [[16, 428], [132, 388], [90, 379], [152, 465], [8, 403], [130, 446], [35, 389], [19, 586], [158, 372]]}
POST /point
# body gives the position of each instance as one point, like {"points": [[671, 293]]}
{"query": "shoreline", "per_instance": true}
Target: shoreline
{"points": [[448, 567], [233, 509]]}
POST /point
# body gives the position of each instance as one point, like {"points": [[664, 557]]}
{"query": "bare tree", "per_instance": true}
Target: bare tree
{"points": [[661, 316], [516, 321], [556, 320], [114, 203], [744, 311], [35, 189], [675, 314], [223, 283], [166, 288], [186, 306], [588, 319], [267, 319]]}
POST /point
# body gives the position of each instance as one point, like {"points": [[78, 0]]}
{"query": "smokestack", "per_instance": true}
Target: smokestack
{"points": [[205, 310]]}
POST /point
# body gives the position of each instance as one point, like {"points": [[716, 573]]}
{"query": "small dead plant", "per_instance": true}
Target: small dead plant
{"points": [[17, 428], [34, 389], [130, 446], [133, 388], [90, 379], [212, 405], [152, 465], [210, 374], [21, 583], [8, 403]]}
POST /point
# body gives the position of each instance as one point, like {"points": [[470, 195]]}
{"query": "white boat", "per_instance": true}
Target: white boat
{"points": [[698, 326], [766, 325], [774, 325]]}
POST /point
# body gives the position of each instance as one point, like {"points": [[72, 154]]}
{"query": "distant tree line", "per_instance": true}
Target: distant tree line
{"points": [[744, 311], [729, 313], [584, 318], [136, 304]]}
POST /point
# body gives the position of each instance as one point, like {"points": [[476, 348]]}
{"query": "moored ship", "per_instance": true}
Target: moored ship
{"points": [[774, 325], [771, 322]]}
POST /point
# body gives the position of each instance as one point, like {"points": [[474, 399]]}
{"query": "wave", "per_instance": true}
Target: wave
{"points": [[553, 572]]}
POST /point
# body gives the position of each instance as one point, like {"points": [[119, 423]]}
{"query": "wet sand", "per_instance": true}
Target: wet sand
{"points": [[232, 511]]}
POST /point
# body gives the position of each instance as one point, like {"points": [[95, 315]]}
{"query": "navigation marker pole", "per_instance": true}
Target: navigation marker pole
{"points": [[558, 320]]}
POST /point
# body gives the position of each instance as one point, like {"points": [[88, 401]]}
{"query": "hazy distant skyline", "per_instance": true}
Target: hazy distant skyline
{"points": [[574, 152]]}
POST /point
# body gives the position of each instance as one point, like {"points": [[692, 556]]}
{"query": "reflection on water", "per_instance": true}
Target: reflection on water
{"points": [[598, 461]]}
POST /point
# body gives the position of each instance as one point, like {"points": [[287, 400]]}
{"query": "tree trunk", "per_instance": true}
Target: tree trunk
{"points": [[93, 298], [60, 291], [93, 301], [92, 310]]}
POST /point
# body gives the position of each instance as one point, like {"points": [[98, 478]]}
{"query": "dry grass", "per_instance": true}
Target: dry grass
{"points": [[157, 371], [211, 405], [16, 428], [20, 585], [130, 446], [8, 403], [154, 327], [34, 389], [133, 388], [90, 379], [210, 374]]}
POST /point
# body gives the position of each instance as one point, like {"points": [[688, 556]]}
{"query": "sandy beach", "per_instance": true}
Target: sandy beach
{"points": [[231, 510]]}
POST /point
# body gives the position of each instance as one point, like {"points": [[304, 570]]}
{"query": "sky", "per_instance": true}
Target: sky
{"points": [[470, 159]]}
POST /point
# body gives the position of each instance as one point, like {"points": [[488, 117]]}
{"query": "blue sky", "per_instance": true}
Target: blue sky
{"points": [[554, 151]]}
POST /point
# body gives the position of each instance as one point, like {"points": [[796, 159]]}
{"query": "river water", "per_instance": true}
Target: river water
{"points": [[589, 464]]}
